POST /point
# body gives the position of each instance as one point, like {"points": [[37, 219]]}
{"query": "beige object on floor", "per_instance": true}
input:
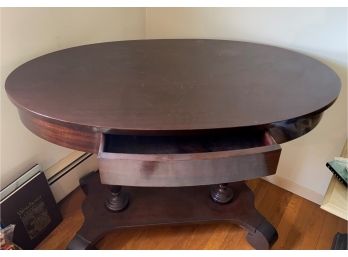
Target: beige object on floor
{"points": [[336, 197]]}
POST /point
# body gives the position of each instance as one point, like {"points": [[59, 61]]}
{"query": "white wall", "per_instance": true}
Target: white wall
{"points": [[30, 32], [320, 33]]}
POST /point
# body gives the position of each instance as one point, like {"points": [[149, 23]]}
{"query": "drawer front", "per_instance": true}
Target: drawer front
{"points": [[172, 173], [188, 169]]}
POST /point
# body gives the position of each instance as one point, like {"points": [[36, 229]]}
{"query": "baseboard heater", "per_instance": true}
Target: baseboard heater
{"points": [[63, 177]]}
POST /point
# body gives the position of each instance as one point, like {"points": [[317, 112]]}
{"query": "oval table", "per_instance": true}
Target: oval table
{"points": [[179, 124]]}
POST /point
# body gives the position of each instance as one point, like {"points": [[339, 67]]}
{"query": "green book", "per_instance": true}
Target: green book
{"points": [[339, 169]]}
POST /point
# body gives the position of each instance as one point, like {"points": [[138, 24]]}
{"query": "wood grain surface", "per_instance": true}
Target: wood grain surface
{"points": [[145, 86]]}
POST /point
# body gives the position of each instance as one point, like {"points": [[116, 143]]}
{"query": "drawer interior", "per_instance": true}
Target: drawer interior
{"points": [[184, 144]]}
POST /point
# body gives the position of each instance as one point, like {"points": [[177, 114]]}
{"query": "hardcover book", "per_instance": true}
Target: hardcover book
{"points": [[31, 208], [339, 169]]}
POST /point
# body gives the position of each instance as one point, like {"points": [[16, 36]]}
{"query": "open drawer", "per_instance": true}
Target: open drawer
{"points": [[186, 160]]}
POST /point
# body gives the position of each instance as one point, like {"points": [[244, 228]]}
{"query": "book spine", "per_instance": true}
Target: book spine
{"points": [[336, 175]]}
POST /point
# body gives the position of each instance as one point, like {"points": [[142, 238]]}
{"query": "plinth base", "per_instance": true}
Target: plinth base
{"points": [[161, 206]]}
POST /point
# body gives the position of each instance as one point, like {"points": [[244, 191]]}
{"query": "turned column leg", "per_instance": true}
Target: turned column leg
{"points": [[118, 199], [221, 193]]}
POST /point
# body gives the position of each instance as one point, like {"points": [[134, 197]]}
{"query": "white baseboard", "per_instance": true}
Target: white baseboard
{"points": [[295, 188], [63, 177], [63, 164]]}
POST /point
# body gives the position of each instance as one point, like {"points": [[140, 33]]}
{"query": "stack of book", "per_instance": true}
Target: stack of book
{"points": [[28, 204], [339, 167]]}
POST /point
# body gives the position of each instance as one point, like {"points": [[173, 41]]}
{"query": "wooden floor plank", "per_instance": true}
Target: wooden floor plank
{"points": [[234, 239], [309, 221], [301, 224], [286, 228], [331, 225]]}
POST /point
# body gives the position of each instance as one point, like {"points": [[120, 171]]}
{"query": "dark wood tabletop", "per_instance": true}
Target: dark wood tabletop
{"points": [[155, 86]]}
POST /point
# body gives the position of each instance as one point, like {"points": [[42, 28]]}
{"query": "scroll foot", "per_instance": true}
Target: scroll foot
{"points": [[262, 237]]}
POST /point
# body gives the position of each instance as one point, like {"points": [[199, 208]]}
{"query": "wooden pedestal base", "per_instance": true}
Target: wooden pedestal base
{"points": [[160, 206]]}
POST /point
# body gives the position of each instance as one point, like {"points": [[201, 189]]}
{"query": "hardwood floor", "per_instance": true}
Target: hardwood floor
{"points": [[301, 224]]}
